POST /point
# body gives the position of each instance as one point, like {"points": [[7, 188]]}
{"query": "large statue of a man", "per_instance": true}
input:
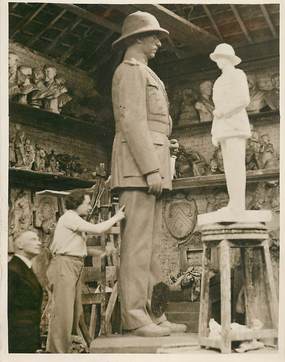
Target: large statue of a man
{"points": [[140, 171]]}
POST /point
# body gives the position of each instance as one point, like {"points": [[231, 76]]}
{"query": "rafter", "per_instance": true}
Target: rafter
{"points": [[93, 52], [241, 23], [37, 37], [268, 20], [93, 18], [26, 20], [70, 28], [214, 24], [77, 45]]}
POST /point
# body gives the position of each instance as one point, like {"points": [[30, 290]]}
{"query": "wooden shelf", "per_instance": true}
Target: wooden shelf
{"points": [[60, 123], [212, 181], [205, 127], [43, 180]]}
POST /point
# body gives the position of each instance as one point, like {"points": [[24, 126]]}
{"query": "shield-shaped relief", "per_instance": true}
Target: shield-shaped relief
{"points": [[180, 216]]}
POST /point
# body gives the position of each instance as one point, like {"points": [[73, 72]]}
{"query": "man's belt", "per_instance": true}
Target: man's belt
{"points": [[156, 126]]}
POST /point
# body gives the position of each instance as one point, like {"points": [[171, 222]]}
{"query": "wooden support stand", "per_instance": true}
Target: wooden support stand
{"points": [[224, 237]]}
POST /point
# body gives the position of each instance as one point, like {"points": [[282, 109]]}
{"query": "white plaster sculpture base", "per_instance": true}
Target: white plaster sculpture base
{"points": [[226, 215]]}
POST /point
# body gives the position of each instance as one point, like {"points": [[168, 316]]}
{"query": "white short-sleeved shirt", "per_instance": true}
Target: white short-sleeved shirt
{"points": [[230, 91], [68, 240]]}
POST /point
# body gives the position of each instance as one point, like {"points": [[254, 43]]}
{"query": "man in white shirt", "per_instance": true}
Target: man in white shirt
{"points": [[24, 296], [64, 272]]}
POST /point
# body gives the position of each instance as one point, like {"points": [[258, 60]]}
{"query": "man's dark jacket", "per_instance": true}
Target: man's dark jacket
{"points": [[24, 308]]}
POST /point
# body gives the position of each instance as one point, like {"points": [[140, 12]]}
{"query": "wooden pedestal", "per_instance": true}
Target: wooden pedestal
{"points": [[224, 237]]}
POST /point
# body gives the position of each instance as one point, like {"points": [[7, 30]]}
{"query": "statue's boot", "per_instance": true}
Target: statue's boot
{"points": [[174, 327], [151, 330]]}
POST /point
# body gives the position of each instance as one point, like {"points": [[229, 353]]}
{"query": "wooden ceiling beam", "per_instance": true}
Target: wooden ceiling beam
{"points": [[268, 20], [93, 18], [26, 20], [70, 28], [214, 24], [77, 45], [93, 52], [241, 23], [37, 37]]}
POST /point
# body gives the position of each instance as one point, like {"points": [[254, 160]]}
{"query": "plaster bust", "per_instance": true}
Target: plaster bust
{"points": [[272, 95], [205, 105], [188, 114], [257, 96]]}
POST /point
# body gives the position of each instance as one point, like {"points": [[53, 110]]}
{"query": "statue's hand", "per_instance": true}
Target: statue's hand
{"points": [[218, 114], [154, 182]]}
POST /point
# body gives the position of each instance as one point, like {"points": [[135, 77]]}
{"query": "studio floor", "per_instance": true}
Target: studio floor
{"points": [[176, 343]]}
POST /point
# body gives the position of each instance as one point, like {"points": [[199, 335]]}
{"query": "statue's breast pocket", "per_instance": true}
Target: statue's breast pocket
{"points": [[156, 101]]}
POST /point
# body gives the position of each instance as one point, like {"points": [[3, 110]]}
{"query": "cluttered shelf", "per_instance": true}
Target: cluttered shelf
{"points": [[254, 118], [44, 180], [58, 123], [199, 182]]}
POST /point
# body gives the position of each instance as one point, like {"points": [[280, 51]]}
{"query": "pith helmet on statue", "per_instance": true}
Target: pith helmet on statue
{"points": [[225, 50], [138, 23]]}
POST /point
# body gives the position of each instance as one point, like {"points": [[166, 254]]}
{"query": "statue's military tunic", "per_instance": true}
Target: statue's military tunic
{"points": [[140, 147]]}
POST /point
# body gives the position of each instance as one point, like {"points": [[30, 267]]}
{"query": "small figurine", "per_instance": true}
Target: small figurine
{"points": [[40, 159], [20, 147], [52, 164], [268, 157], [257, 96], [29, 154], [205, 105], [13, 75], [24, 83], [12, 152], [216, 163], [188, 114], [272, 96]]}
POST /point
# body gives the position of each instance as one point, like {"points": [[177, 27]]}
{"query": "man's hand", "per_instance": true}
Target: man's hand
{"points": [[154, 182]]}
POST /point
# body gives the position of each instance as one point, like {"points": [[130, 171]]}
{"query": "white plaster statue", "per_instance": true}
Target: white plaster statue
{"points": [[231, 129], [205, 104], [230, 124], [38, 82]]}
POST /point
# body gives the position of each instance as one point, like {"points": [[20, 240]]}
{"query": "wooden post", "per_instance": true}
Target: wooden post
{"points": [[225, 272], [204, 296]]}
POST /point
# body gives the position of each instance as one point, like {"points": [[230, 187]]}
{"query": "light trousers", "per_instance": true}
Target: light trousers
{"points": [[139, 257], [64, 275]]}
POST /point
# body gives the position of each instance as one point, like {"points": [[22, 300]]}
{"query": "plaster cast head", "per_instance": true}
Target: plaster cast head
{"points": [[265, 83], [50, 73], [275, 80], [265, 138], [206, 88], [24, 74], [37, 75], [28, 244], [251, 80], [188, 95]]}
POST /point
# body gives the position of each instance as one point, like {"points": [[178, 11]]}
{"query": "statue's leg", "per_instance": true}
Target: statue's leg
{"points": [[233, 151]]}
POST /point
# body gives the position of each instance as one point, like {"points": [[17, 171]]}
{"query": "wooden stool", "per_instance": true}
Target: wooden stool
{"points": [[224, 237]]}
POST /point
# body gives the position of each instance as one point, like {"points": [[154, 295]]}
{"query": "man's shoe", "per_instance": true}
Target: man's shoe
{"points": [[151, 330], [174, 327]]}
